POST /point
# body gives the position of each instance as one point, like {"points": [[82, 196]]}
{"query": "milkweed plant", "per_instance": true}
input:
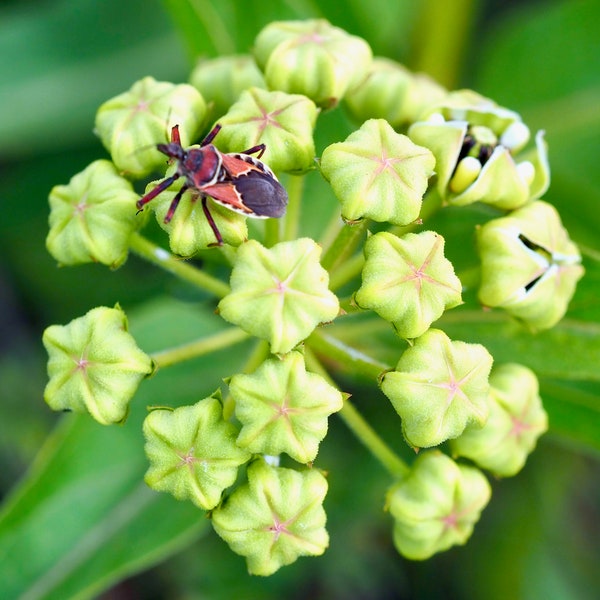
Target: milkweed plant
{"points": [[248, 454]]}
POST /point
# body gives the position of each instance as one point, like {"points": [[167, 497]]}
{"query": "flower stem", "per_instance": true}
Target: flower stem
{"points": [[272, 232], [255, 359], [360, 428], [346, 272], [343, 245], [354, 360], [218, 341], [291, 223], [167, 261]]}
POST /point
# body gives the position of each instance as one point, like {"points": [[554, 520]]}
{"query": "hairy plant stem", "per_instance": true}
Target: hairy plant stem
{"points": [[206, 345], [169, 262], [360, 428]]}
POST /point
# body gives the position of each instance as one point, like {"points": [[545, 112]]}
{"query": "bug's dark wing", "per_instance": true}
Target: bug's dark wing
{"points": [[262, 194]]}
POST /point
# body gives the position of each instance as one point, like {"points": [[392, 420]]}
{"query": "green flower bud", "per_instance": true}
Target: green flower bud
{"points": [[436, 506], [93, 217], [189, 230], [478, 149], [192, 452], [221, 80], [517, 419], [275, 518], [282, 408], [283, 122], [131, 124], [529, 266], [391, 92], [439, 387], [378, 174], [94, 365], [312, 58], [408, 281], [279, 294]]}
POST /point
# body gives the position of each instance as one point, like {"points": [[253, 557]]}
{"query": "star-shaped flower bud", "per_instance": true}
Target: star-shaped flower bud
{"points": [[92, 217], [439, 387], [408, 281], [529, 266], [391, 92], [131, 124], [436, 506], [94, 365], [192, 452], [312, 58], [283, 122], [189, 230], [221, 80], [274, 518], [517, 419], [279, 294], [282, 408], [481, 154], [378, 174]]}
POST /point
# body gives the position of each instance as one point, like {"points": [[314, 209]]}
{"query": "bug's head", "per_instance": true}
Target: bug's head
{"points": [[172, 150]]}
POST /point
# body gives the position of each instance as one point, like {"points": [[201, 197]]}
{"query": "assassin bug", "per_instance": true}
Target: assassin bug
{"points": [[238, 181]]}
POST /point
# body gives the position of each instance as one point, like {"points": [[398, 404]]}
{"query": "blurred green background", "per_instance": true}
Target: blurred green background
{"points": [[59, 60]]}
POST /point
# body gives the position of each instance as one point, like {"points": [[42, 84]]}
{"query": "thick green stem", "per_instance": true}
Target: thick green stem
{"points": [[167, 261], [272, 232], [218, 341], [441, 36], [343, 245], [354, 360], [360, 428], [291, 223]]}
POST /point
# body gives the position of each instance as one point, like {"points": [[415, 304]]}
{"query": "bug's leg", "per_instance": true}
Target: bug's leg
{"points": [[161, 187], [211, 221], [260, 148], [175, 138], [211, 135], [174, 204]]}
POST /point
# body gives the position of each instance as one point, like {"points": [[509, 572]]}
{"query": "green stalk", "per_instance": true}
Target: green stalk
{"points": [[169, 262], [272, 232], [355, 360], [212, 343], [441, 37], [291, 223], [258, 355], [343, 245], [360, 428]]}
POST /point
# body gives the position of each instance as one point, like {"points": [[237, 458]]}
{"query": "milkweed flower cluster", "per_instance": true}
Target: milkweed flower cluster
{"points": [[414, 144]]}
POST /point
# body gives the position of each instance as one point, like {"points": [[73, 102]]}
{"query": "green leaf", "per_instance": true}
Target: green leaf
{"points": [[82, 518]]}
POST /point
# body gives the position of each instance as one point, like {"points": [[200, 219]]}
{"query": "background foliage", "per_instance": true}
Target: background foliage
{"points": [[80, 520]]}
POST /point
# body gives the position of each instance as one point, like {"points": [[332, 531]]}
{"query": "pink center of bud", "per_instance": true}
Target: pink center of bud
{"points": [[278, 527], [267, 119]]}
